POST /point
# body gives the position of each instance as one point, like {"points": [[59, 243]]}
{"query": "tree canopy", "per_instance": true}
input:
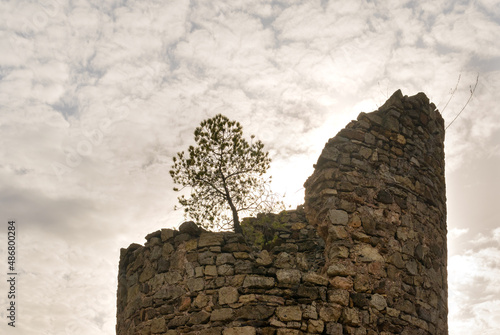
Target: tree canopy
{"points": [[224, 172]]}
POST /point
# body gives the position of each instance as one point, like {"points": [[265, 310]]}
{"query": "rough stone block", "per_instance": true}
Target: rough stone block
{"points": [[289, 313], [331, 312], [255, 312], [253, 281], [228, 295], [195, 284], [340, 297], [225, 270], [239, 331], [315, 326], [197, 318], [339, 269], [158, 325], [222, 314], [206, 258], [338, 217], [337, 233], [190, 228], [351, 316], [367, 253], [263, 258], [314, 278], [378, 302], [225, 258], [167, 234], [333, 328], [341, 283], [310, 312], [288, 276], [286, 331], [210, 239]]}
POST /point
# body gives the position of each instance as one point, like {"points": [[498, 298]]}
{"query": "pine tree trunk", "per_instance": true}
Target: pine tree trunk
{"points": [[236, 219]]}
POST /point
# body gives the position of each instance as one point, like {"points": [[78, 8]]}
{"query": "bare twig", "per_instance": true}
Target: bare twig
{"points": [[472, 90], [452, 94]]}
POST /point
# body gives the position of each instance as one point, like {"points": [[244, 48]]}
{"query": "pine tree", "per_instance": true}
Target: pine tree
{"points": [[224, 172]]}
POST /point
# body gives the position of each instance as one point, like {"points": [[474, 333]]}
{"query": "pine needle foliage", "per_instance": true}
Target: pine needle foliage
{"points": [[225, 174]]}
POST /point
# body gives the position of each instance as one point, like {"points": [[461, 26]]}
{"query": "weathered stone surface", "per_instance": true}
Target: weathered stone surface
{"points": [[377, 301], [315, 326], [147, 274], [337, 233], [178, 321], [339, 269], [288, 276], [210, 270], [309, 312], [397, 260], [255, 312], [190, 228], [206, 258], [158, 325], [228, 295], [367, 253], [209, 331], [264, 258], [252, 281], [338, 217], [185, 304], [330, 312], [222, 314], [341, 283], [340, 297], [314, 278], [287, 331], [201, 300], [333, 328], [210, 239], [289, 313], [167, 234], [199, 318], [167, 249], [241, 255], [309, 292], [351, 316], [225, 270], [170, 292], [225, 258], [195, 284], [239, 331], [284, 261], [191, 245]]}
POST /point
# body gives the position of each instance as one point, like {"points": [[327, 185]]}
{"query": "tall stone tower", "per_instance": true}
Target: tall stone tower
{"points": [[377, 197], [365, 255]]}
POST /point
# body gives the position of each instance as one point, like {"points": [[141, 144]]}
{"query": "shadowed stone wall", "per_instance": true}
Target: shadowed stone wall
{"points": [[366, 254], [377, 197], [198, 282]]}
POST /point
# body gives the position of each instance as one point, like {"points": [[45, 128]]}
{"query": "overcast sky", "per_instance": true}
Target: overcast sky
{"points": [[97, 96]]}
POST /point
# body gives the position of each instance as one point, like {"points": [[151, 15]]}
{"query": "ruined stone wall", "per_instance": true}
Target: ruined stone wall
{"points": [[377, 197], [197, 282], [366, 255]]}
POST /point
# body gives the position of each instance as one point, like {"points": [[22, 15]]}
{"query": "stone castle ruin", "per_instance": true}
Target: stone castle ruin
{"points": [[366, 254]]}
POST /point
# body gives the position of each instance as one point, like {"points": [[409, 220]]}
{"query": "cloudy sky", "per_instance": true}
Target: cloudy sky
{"points": [[97, 96]]}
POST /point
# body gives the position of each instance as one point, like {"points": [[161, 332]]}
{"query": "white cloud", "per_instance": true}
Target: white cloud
{"points": [[111, 90], [467, 29], [456, 233], [474, 287]]}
